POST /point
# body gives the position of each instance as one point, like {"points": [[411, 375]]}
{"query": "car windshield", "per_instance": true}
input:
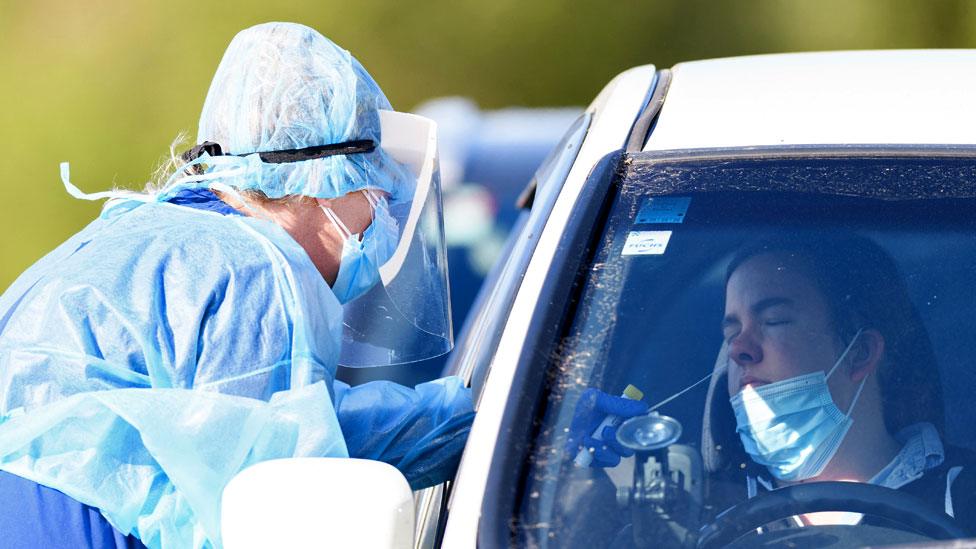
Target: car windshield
{"points": [[751, 276]]}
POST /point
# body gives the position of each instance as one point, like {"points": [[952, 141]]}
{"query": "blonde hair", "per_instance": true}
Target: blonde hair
{"points": [[173, 162], [168, 165]]}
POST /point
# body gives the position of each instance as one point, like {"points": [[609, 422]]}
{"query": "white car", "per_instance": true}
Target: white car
{"points": [[615, 274]]}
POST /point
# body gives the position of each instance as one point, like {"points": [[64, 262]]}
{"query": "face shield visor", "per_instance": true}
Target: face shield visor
{"points": [[394, 282], [406, 316]]}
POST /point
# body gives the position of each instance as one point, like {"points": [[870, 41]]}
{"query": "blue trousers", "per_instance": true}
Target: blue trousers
{"points": [[32, 516]]}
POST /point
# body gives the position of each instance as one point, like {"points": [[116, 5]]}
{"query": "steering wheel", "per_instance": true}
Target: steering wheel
{"points": [[815, 497]]}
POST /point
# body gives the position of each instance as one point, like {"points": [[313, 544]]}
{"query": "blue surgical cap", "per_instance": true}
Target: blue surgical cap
{"points": [[285, 86]]}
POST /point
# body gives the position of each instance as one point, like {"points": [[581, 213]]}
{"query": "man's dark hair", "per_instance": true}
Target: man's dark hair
{"points": [[863, 289]]}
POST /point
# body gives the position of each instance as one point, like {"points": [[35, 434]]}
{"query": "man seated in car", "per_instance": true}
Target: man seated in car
{"points": [[832, 377]]}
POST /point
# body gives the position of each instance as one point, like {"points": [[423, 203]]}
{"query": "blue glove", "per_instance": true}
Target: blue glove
{"points": [[593, 406]]}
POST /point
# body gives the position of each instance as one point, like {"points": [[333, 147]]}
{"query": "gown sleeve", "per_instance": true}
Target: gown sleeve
{"points": [[420, 431]]}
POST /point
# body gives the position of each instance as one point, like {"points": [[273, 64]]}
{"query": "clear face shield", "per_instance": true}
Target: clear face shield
{"points": [[406, 316]]}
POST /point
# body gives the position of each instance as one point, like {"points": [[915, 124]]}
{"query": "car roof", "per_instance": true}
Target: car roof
{"points": [[836, 98]]}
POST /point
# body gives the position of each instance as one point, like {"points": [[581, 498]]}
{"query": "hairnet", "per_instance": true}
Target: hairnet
{"points": [[285, 86]]}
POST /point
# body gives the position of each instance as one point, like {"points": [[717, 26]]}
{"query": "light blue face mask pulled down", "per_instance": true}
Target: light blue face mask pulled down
{"points": [[363, 254], [793, 426]]}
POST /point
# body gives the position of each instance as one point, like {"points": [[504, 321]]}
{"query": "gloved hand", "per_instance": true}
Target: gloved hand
{"points": [[593, 406]]}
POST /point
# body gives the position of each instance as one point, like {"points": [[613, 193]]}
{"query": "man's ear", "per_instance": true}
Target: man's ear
{"points": [[867, 354]]}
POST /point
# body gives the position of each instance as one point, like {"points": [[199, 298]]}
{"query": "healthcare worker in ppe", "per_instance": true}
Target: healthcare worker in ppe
{"points": [[195, 329]]}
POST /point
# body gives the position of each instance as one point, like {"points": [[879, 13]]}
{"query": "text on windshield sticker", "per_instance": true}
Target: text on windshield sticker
{"points": [[646, 242], [664, 209]]}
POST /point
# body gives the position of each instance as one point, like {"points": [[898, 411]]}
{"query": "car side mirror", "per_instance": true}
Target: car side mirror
{"points": [[318, 502]]}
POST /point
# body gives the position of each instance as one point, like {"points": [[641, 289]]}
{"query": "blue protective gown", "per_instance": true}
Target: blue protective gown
{"points": [[164, 348]]}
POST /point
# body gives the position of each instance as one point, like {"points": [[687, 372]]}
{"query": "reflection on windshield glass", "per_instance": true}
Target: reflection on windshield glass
{"points": [[778, 340]]}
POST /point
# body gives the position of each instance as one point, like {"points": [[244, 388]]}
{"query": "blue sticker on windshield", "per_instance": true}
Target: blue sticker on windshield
{"points": [[646, 243], [664, 209]]}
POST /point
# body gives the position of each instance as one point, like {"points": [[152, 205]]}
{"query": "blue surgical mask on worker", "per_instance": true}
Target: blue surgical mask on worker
{"points": [[793, 426], [363, 254]]}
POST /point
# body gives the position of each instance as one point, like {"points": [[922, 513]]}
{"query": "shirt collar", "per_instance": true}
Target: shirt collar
{"points": [[922, 450], [202, 199]]}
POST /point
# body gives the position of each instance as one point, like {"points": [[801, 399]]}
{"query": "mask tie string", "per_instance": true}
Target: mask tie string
{"points": [[857, 395], [340, 227], [177, 181], [373, 201], [844, 354], [74, 191], [840, 359]]}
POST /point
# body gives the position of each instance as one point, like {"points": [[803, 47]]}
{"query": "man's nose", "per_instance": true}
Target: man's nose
{"points": [[744, 349]]}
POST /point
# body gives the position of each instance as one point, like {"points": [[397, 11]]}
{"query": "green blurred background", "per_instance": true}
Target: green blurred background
{"points": [[107, 85]]}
